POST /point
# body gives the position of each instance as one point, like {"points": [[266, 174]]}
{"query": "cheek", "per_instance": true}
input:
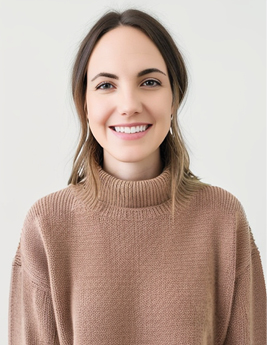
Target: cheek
{"points": [[161, 107], [98, 111]]}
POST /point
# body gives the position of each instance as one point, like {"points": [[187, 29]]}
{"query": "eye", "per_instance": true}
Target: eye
{"points": [[104, 86], [151, 83]]}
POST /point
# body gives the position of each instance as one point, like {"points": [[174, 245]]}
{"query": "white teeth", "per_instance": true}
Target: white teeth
{"points": [[131, 129]]}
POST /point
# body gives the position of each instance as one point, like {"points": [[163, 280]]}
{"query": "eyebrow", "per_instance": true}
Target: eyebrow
{"points": [[105, 74], [140, 74], [149, 70]]}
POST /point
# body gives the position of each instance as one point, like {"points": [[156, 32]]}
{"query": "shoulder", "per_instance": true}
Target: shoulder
{"points": [[58, 203], [48, 211], [227, 214], [221, 208], [222, 213], [217, 199], [43, 226]]}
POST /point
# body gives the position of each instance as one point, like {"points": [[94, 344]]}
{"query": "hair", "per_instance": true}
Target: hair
{"points": [[89, 153]]}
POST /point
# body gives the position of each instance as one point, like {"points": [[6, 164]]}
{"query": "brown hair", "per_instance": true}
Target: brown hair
{"points": [[89, 154]]}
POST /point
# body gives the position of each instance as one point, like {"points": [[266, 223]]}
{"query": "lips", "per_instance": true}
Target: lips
{"points": [[130, 129]]}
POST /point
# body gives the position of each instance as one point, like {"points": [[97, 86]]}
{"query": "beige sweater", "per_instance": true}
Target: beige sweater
{"points": [[123, 272]]}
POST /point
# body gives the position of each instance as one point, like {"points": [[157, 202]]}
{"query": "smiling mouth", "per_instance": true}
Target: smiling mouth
{"points": [[131, 130]]}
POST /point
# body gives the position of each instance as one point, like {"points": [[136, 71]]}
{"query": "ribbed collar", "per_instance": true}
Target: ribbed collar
{"points": [[134, 194], [129, 194]]}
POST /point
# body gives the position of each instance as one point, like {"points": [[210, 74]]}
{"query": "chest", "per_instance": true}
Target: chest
{"points": [[141, 280]]}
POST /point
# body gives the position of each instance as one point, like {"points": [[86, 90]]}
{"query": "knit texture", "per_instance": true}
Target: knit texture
{"points": [[125, 271]]}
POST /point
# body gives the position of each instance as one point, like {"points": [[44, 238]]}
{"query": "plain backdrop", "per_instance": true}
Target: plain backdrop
{"points": [[223, 119]]}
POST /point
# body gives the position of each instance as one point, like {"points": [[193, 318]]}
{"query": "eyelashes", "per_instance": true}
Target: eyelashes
{"points": [[104, 86], [150, 83]]}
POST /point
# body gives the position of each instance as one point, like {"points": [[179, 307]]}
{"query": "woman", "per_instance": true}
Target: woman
{"points": [[136, 250]]}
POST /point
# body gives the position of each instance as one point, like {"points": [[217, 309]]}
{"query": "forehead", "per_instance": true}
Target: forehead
{"points": [[125, 47]]}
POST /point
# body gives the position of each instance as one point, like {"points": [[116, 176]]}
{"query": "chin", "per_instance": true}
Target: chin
{"points": [[131, 159], [134, 157]]}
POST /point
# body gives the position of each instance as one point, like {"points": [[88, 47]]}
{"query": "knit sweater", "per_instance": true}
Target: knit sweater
{"points": [[124, 271]]}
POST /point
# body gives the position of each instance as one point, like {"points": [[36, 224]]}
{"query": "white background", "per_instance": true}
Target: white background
{"points": [[223, 120]]}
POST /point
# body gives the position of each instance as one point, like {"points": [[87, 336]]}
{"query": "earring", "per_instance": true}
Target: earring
{"points": [[171, 126]]}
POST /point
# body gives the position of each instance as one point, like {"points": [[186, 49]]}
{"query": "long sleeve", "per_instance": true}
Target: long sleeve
{"points": [[247, 325], [31, 316]]}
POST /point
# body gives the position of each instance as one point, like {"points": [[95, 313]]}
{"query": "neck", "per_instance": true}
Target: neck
{"points": [[133, 171]]}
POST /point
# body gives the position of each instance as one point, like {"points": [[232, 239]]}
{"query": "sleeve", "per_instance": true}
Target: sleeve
{"points": [[247, 324], [31, 315]]}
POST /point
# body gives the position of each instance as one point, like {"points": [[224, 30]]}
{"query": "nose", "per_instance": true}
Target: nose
{"points": [[129, 102]]}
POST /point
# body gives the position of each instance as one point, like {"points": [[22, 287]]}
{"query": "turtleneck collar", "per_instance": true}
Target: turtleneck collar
{"points": [[130, 194], [134, 194]]}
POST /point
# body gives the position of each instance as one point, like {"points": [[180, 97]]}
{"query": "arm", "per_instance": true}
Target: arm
{"points": [[247, 324], [31, 316]]}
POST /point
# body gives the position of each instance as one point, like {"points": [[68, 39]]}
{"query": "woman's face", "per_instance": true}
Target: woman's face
{"points": [[128, 97]]}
